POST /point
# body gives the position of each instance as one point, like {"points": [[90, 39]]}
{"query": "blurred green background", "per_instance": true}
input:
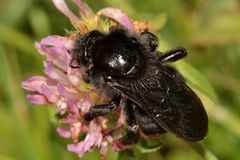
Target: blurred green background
{"points": [[210, 30]]}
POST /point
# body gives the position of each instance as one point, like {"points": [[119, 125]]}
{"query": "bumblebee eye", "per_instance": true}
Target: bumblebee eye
{"points": [[89, 40], [150, 40], [154, 45]]}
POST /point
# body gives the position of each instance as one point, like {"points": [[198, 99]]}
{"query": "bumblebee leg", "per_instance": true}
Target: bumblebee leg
{"points": [[101, 110], [132, 130], [131, 137], [173, 55], [149, 40], [146, 125]]}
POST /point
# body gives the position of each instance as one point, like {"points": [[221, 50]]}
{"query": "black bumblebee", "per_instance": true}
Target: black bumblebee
{"points": [[126, 66]]}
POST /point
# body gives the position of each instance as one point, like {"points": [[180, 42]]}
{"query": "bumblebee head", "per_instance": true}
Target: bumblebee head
{"points": [[116, 53]]}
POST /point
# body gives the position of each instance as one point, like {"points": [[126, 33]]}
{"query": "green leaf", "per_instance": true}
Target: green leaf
{"points": [[60, 116], [39, 21], [159, 21], [126, 155], [12, 12], [196, 79], [203, 151], [17, 39], [147, 146]]}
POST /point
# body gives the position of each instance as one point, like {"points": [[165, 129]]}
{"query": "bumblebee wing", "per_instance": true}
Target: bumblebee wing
{"points": [[180, 113], [175, 107]]}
